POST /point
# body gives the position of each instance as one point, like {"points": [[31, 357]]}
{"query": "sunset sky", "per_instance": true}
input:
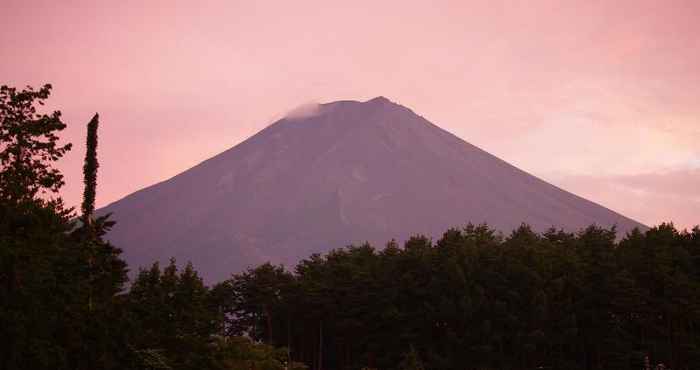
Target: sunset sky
{"points": [[601, 98]]}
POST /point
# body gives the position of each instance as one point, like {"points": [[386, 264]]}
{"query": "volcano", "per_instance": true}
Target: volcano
{"points": [[331, 175]]}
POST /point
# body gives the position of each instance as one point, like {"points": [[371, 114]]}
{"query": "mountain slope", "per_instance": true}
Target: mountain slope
{"points": [[349, 172]]}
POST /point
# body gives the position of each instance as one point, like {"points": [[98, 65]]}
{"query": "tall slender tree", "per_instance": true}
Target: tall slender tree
{"points": [[102, 273], [88, 208], [90, 171]]}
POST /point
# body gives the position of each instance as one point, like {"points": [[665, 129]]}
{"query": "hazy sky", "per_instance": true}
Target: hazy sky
{"points": [[599, 97]]}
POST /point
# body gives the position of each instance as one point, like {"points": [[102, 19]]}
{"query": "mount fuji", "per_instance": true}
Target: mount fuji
{"points": [[340, 173]]}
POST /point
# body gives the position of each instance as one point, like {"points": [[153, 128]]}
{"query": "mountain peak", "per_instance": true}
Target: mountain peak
{"points": [[333, 174], [379, 100]]}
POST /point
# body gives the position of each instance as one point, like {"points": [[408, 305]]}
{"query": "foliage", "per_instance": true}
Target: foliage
{"points": [[90, 170], [62, 304], [58, 282], [150, 359], [237, 352], [38, 306], [169, 310], [411, 361], [477, 300], [28, 145]]}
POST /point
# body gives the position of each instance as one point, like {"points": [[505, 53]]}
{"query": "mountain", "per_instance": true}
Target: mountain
{"points": [[322, 178]]}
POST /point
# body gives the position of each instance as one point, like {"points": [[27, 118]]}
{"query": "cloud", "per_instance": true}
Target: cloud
{"points": [[303, 111], [679, 183], [650, 198]]}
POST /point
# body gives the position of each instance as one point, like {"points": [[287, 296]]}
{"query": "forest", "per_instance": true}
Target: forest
{"points": [[472, 299]]}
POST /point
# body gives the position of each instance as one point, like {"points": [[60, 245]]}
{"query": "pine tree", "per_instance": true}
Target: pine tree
{"points": [[102, 273], [90, 171]]}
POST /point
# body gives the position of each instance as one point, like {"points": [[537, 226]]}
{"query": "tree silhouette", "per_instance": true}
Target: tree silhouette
{"points": [[90, 171]]}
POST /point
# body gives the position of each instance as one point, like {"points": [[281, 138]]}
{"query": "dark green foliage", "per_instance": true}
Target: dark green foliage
{"points": [[242, 353], [257, 296], [170, 310], [171, 313], [411, 361], [90, 170], [58, 283], [38, 298], [38, 304], [477, 300], [56, 295], [61, 299], [28, 145], [149, 359]]}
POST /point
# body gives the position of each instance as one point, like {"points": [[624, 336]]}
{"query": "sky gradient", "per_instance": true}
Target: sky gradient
{"points": [[601, 98]]}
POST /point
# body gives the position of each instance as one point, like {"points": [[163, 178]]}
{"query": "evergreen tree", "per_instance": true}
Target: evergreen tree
{"points": [[58, 283], [102, 274], [38, 295], [37, 288], [90, 170], [169, 312]]}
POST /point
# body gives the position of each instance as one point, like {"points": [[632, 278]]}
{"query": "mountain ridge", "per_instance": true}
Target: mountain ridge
{"points": [[344, 172]]}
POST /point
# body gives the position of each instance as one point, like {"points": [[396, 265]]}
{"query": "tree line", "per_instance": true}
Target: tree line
{"points": [[473, 299], [477, 300]]}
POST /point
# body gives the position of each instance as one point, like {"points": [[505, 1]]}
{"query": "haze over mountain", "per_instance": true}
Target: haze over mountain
{"points": [[330, 175]]}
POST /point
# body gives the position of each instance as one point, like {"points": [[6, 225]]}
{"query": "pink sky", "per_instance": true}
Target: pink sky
{"points": [[599, 97]]}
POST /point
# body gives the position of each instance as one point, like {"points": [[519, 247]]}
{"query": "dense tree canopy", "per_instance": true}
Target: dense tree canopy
{"points": [[477, 300], [58, 280]]}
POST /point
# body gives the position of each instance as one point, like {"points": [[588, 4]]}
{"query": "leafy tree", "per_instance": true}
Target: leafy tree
{"points": [[242, 353], [37, 294], [38, 318], [149, 359], [478, 300], [259, 294], [169, 311], [59, 282], [28, 145]]}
